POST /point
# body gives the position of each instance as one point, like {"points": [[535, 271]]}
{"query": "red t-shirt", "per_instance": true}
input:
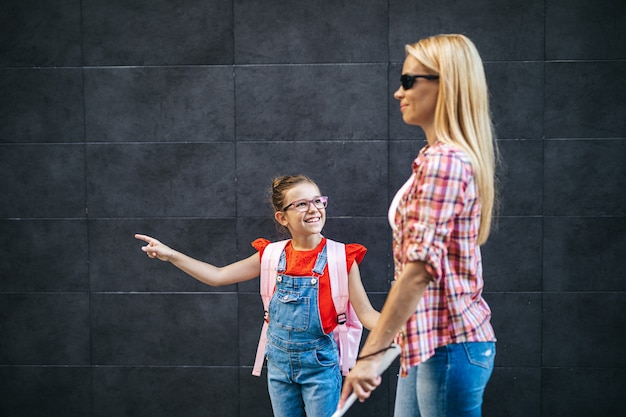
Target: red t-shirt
{"points": [[301, 264]]}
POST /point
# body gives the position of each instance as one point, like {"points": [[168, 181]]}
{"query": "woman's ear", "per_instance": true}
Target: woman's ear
{"points": [[280, 218]]}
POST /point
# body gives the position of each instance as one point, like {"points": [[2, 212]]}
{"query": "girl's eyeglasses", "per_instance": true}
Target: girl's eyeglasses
{"points": [[303, 205], [409, 80]]}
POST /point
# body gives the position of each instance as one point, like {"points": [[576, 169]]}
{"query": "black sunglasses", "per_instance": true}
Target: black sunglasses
{"points": [[408, 80]]}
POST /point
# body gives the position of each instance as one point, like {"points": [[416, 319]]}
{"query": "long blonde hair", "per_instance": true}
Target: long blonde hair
{"points": [[462, 115]]}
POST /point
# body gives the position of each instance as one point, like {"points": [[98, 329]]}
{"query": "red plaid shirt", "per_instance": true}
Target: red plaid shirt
{"points": [[435, 219]]}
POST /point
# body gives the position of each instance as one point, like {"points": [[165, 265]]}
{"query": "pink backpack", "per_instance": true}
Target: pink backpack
{"points": [[349, 329]]}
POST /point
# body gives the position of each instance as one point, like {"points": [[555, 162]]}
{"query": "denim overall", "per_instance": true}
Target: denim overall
{"points": [[302, 362]]}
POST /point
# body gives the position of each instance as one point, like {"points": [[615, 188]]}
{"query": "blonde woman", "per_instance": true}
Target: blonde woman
{"points": [[439, 218]]}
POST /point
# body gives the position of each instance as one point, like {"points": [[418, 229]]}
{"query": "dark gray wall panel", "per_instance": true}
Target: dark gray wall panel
{"points": [[311, 102], [159, 104], [584, 254], [513, 392], [164, 329], [43, 255], [39, 390], [520, 178], [516, 98], [401, 157], [585, 30], [512, 255], [43, 105], [328, 31], [161, 180], [588, 322], [584, 178], [592, 391], [501, 29], [35, 33], [45, 329], [585, 99], [42, 181], [157, 32], [253, 398], [517, 321], [250, 320], [165, 391]]}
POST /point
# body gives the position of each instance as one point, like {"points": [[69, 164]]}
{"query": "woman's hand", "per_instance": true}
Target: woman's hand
{"points": [[362, 379], [156, 249]]}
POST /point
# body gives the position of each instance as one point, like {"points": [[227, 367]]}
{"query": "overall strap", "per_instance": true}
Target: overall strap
{"points": [[269, 266], [320, 262], [282, 262]]}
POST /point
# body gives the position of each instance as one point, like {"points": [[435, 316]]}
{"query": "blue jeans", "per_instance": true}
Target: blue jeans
{"points": [[450, 384]]}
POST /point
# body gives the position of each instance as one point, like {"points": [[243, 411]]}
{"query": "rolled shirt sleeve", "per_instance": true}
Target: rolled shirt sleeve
{"points": [[432, 208]]}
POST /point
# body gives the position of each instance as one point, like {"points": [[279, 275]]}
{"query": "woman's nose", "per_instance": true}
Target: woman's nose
{"points": [[399, 93]]}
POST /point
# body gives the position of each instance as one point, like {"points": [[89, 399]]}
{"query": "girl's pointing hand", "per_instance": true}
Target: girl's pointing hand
{"points": [[156, 249]]}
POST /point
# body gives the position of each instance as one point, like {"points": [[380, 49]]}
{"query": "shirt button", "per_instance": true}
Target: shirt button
{"points": [[279, 278], [285, 297], [313, 281]]}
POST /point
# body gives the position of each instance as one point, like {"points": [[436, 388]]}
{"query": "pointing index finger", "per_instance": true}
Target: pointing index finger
{"points": [[145, 238]]}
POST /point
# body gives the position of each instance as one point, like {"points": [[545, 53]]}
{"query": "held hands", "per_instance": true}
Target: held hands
{"points": [[156, 249]]}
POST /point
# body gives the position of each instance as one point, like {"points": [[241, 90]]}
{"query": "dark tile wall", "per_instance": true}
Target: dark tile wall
{"points": [[170, 118]]}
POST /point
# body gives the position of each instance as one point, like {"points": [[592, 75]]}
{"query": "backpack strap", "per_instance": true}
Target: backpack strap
{"points": [[269, 264], [337, 270]]}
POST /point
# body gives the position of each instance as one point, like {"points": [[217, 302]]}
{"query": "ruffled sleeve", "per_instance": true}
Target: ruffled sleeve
{"points": [[260, 244], [354, 252]]}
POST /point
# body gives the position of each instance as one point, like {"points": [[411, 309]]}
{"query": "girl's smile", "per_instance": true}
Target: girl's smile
{"points": [[305, 226]]}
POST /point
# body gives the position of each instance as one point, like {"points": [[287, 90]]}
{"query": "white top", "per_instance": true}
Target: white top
{"points": [[391, 215]]}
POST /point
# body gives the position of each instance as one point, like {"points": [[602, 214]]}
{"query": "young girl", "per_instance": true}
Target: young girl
{"points": [[304, 378]]}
